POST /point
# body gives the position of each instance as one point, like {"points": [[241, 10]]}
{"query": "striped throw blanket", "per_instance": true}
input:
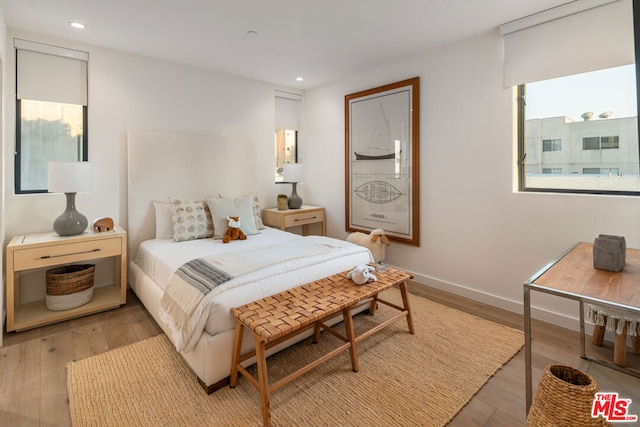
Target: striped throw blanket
{"points": [[185, 304]]}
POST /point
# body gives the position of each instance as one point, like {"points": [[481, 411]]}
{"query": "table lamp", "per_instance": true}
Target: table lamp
{"points": [[70, 178], [293, 173]]}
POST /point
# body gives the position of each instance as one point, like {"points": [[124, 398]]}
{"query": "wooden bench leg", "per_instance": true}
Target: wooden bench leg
{"points": [[620, 346], [598, 333], [263, 381], [635, 341], [351, 336], [405, 303], [316, 332], [373, 305], [235, 358]]}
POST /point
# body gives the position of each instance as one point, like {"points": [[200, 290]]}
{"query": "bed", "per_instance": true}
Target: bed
{"points": [[166, 169]]}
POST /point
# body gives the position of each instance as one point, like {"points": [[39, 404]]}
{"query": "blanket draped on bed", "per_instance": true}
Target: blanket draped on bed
{"points": [[191, 289]]}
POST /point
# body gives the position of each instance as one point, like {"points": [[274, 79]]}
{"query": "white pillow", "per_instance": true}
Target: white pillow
{"points": [[191, 219], [257, 211], [240, 206], [164, 224]]}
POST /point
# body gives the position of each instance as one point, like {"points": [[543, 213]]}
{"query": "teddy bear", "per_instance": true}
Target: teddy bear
{"points": [[233, 231], [361, 274]]}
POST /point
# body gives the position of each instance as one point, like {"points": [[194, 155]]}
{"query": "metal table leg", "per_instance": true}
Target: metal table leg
{"points": [[527, 347]]}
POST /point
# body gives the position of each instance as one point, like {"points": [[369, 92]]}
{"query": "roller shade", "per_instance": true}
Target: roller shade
{"points": [[287, 110], [578, 37], [52, 74]]}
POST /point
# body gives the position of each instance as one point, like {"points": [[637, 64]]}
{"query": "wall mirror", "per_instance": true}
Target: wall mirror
{"points": [[286, 149], [287, 130]]}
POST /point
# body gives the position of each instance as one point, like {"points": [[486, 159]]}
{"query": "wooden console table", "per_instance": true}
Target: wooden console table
{"points": [[573, 276], [275, 319]]}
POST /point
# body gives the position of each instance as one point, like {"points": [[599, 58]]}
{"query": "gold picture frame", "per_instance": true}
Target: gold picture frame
{"points": [[382, 160]]}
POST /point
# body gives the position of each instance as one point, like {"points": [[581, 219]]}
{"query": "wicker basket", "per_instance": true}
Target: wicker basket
{"points": [[69, 286], [564, 398]]}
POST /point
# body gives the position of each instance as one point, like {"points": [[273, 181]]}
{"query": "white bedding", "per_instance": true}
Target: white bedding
{"points": [[159, 258]]}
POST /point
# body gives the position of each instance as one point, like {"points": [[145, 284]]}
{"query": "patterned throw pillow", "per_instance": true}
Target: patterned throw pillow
{"points": [[191, 219]]}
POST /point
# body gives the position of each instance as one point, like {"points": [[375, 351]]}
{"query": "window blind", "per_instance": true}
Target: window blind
{"points": [[287, 110], [50, 73], [580, 36]]}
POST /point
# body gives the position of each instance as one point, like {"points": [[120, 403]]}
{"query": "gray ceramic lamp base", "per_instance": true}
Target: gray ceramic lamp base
{"points": [[295, 201], [71, 222]]}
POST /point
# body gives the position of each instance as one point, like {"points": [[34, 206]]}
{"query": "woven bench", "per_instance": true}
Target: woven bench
{"points": [[277, 318]]}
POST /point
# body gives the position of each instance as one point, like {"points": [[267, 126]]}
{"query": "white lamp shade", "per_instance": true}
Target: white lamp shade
{"points": [[70, 177], [293, 172]]}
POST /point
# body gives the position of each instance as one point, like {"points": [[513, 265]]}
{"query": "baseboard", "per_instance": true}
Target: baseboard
{"points": [[560, 319]]}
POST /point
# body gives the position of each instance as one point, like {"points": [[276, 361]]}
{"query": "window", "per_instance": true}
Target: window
{"points": [[51, 111], [600, 142], [609, 142], [582, 92], [591, 143], [597, 144], [552, 171], [601, 171], [551, 145]]}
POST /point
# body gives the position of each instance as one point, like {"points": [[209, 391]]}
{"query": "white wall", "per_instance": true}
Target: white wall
{"points": [[478, 237], [130, 92]]}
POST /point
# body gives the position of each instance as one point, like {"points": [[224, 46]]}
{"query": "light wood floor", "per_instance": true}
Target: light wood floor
{"points": [[33, 390]]}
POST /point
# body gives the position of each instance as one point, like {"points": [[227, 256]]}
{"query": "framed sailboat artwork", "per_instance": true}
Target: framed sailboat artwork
{"points": [[381, 160]]}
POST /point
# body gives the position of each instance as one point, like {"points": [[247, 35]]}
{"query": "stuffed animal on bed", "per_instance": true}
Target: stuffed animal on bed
{"points": [[233, 230], [361, 274]]}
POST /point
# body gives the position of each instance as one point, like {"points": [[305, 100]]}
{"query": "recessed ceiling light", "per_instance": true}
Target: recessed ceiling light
{"points": [[299, 79], [252, 34], [78, 25]]}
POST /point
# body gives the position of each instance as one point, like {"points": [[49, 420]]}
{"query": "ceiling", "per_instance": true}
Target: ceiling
{"points": [[321, 40]]}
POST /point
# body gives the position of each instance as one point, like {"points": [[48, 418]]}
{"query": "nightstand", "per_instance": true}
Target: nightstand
{"points": [[294, 217], [36, 251]]}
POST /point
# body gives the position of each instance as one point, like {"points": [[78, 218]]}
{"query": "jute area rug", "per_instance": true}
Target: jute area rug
{"points": [[404, 380]]}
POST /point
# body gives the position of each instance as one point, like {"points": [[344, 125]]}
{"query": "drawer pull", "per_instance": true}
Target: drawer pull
{"points": [[72, 253], [305, 219]]}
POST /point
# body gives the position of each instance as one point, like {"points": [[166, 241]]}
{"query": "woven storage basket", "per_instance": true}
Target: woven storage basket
{"points": [[69, 286], [564, 398]]}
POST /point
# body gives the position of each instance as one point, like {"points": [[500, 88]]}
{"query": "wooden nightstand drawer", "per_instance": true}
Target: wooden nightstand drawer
{"points": [[304, 218], [65, 253]]}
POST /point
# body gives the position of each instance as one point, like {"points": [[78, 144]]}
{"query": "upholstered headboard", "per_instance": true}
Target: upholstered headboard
{"points": [[162, 165]]}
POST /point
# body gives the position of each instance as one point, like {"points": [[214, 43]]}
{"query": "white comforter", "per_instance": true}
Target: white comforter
{"points": [[273, 278]]}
